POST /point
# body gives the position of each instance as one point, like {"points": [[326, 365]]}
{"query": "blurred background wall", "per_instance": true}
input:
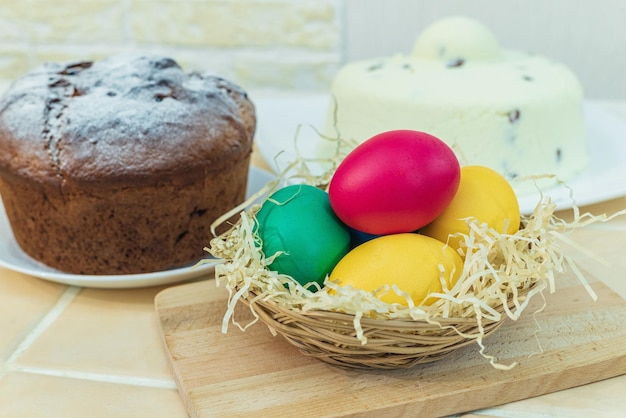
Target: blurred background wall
{"points": [[269, 43], [299, 44], [587, 35]]}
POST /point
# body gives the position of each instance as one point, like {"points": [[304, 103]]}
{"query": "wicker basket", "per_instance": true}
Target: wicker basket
{"points": [[341, 337], [391, 344], [400, 341]]}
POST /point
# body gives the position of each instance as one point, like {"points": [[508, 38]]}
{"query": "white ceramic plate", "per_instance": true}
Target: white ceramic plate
{"points": [[13, 258], [604, 178]]}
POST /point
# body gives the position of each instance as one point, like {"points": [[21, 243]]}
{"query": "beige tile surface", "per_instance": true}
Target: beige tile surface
{"points": [[599, 400], [24, 301], [39, 396], [108, 332]]}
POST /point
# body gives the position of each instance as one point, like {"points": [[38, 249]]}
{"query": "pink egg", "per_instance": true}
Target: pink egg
{"points": [[396, 181]]}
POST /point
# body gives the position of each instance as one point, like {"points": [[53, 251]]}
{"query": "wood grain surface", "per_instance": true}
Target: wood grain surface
{"points": [[253, 373]]}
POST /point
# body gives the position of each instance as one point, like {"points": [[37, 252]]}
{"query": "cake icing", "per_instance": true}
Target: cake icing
{"points": [[517, 113]]}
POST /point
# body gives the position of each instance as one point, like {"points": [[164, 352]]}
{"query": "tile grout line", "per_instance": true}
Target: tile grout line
{"points": [[66, 298], [63, 302], [106, 378]]}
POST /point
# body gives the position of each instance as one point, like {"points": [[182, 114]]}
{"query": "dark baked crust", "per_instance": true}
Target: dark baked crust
{"points": [[120, 166]]}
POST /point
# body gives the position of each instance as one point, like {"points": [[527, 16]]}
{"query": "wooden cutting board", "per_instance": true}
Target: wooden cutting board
{"points": [[252, 373]]}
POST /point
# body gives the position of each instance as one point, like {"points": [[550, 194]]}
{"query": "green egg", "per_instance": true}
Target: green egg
{"points": [[298, 220]]}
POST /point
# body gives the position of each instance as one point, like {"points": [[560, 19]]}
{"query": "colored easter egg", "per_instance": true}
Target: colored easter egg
{"points": [[298, 221], [410, 261], [483, 195], [397, 181]]}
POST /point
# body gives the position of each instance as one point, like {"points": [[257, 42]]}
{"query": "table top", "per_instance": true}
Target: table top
{"points": [[69, 351]]}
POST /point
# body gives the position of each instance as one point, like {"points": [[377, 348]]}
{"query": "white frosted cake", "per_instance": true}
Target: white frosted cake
{"points": [[518, 113]]}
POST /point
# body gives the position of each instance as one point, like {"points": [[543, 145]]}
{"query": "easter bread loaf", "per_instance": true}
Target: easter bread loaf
{"points": [[120, 166]]}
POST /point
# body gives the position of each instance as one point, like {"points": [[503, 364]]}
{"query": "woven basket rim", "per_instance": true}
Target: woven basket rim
{"points": [[377, 322]]}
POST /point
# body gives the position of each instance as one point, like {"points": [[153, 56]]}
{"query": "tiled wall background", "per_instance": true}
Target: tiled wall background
{"points": [[288, 44]]}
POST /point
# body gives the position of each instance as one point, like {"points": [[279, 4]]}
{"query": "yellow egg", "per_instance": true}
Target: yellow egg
{"points": [[483, 194], [410, 261]]}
